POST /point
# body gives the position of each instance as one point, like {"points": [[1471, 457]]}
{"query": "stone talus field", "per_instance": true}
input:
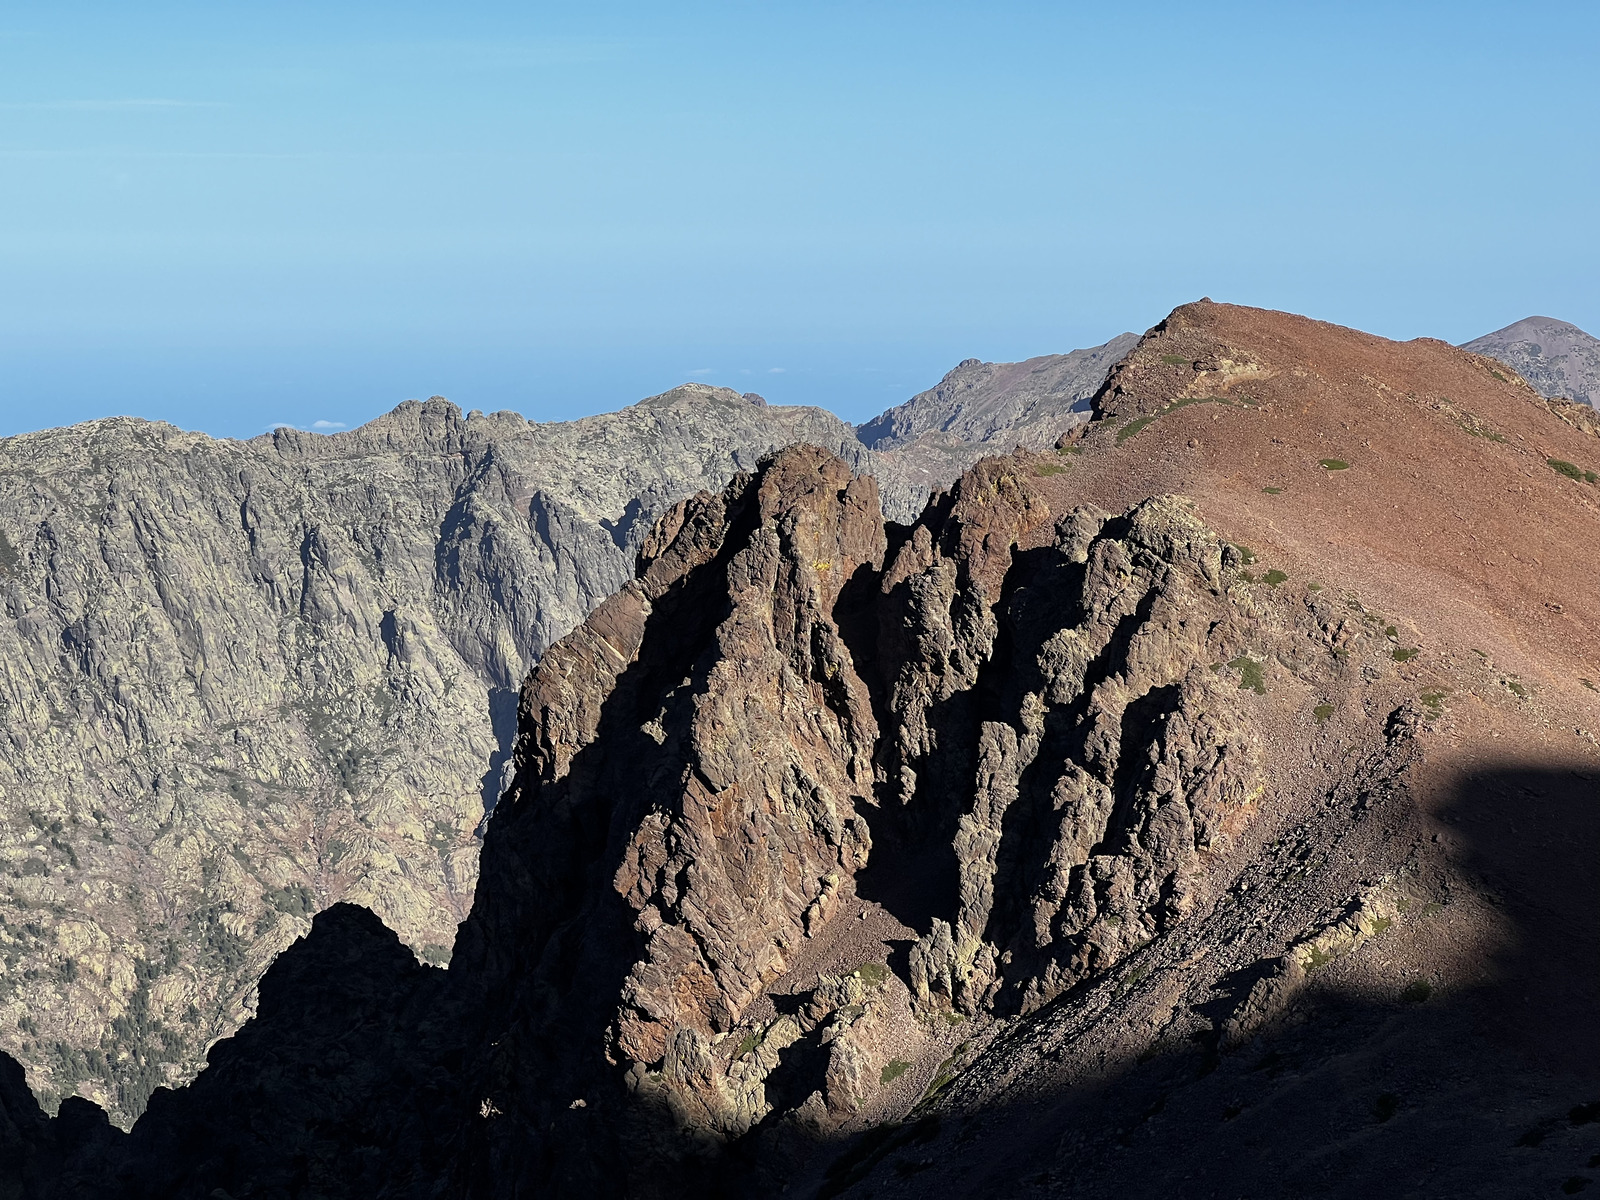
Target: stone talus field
{"points": [[241, 681], [1203, 806]]}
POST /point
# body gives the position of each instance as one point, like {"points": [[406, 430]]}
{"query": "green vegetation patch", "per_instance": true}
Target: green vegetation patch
{"points": [[1250, 674], [1246, 555], [1048, 469], [1416, 992], [1435, 701], [1132, 427], [1322, 712], [1273, 491], [1572, 470], [874, 973], [750, 1042], [892, 1070], [1333, 464], [1274, 577], [1402, 654], [1175, 360], [1589, 683]]}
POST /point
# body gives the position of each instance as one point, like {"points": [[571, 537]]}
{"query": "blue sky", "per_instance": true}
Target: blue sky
{"points": [[228, 215]]}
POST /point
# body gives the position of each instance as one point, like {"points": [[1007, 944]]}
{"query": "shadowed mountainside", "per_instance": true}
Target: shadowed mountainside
{"points": [[242, 681], [1206, 806]]}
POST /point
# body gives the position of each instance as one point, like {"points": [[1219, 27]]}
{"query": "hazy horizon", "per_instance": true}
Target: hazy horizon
{"points": [[232, 218]]}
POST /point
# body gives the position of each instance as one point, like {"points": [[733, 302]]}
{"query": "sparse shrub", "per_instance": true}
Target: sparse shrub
{"points": [[1416, 992], [1322, 712], [1402, 654], [892, 1070], [1573, 471], [875, 974], [1333, 464], [1274, 577], [1250, 674], [1175, 360], [1048, 469], [1131, 428], [1273, 491]]}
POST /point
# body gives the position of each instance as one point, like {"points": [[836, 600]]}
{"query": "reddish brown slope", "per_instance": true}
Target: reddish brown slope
{"points": [[1448, 514]]}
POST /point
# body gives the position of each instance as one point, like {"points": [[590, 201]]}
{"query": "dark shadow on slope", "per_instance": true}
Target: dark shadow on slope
{"points": [[1480, 1090], [503, 719]]}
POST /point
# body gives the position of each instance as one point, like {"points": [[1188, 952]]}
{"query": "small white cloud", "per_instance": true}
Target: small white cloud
{"points": [[327, 424], [776, 370], [704, 371]]}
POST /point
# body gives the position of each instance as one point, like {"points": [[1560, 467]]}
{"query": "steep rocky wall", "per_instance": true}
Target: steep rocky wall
{"points": [[241, 681]]}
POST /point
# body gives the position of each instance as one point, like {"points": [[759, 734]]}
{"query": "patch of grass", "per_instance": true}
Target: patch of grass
{"points": [[1048, 469], [892, 1070], [1175, 360], [1572, 470], [1272, 491], [953, 1018], [750, 1042], [1131, 428], [1247, 577], [1416, 992], [875, 974], [1246, 555], [1274, 577], [1313, 587], [1498, 376], [1322, 712], [1516, 689], [1402, 654], [1250, 674], [1069, 449], [1333, 464], [1435, 702], [435, 955], [941, 1078]]}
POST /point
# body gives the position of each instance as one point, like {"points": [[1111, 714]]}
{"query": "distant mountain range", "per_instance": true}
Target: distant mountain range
{"points": [[1203, 806], [1559, 359], [242, 681]]}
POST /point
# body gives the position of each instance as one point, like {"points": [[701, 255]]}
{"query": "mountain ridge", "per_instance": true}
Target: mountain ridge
{"points": [[1215, 784]]}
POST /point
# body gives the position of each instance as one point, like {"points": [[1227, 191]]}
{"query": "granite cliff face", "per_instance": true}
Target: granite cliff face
{"points": [[1559, 359], [241, 681], [1187, 810]]}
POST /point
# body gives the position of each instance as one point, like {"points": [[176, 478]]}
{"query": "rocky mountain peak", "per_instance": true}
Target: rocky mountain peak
{"points": [[1557, 357]]}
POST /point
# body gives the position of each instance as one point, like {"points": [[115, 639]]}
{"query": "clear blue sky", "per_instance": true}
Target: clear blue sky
{"points": [[228, 215]]}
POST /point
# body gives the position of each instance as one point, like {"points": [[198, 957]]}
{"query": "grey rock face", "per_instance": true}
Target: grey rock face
{"points": [[982, 408], [242, 681], [1559, 359]]}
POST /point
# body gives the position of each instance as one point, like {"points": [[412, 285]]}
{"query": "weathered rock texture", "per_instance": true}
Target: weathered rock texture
{"points": [[1057, 842], [241, 681], [1559, 359]]}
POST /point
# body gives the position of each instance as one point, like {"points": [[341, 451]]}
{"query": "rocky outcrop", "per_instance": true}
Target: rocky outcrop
{"points": [[1005, 703], [243, 681], [1559, 359]]}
